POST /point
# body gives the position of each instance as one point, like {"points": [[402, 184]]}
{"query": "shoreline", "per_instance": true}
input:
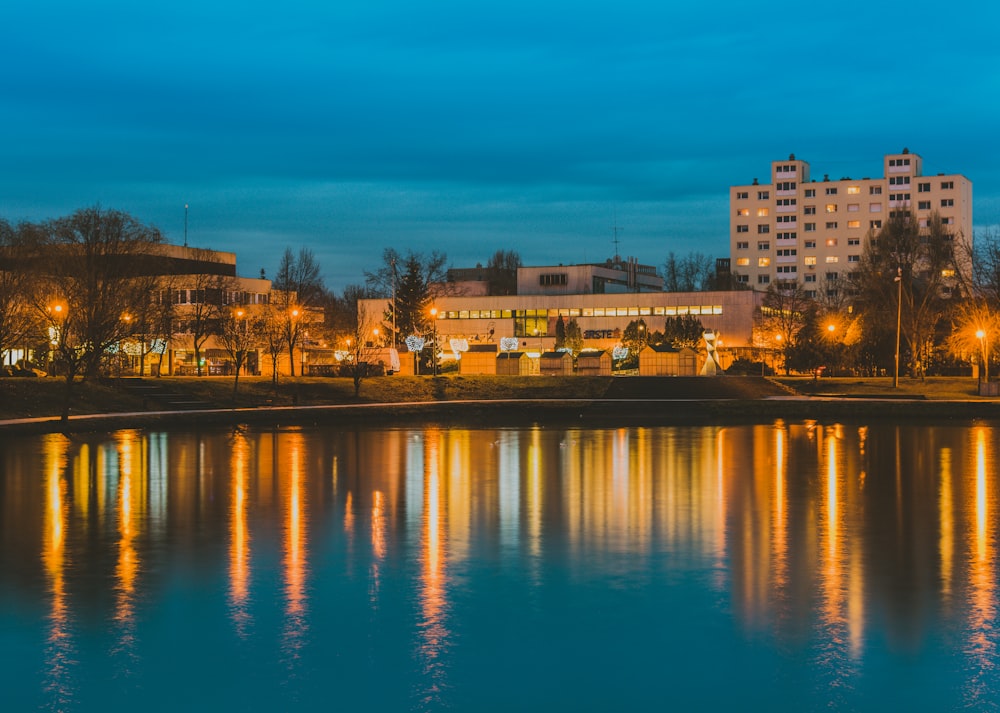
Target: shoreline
{"points": [[513, 412]]}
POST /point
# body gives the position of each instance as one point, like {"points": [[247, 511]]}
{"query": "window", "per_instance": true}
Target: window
{"points": [[786, 201], [853, 258], [810, 260], [874, 190], [743, 278], [557, 279], [854, 224], [874, 224], [830, 259], [854, 241], [924, 205], [810, 227], [899, 162], [831, 242], [743, 212], [785, 168], [810, 278], [742, 261], [786, 219], [831, 225], [763, 195], [763, 279], [763, 229], [947, 272], [831, 207], [785, 269], [947, 185], [853, 190], [810, 244], [811, 294], [785, 186], [947, 221], [763, 245], [899, 181], [831, 191], [810, 193], [787, 236], [810, 210], [947, 202], [742, 228], [923, 188], [831, 276], [763, 261], [874, 207], [787, 252], [899, 196], [742, 245], [762, 212], [742, 195]]}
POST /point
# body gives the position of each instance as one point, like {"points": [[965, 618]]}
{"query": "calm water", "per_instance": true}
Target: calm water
{"points": [[772, 567]]}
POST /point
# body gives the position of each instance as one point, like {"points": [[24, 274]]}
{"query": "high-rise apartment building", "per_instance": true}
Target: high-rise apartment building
{"points": [[813, 231]]}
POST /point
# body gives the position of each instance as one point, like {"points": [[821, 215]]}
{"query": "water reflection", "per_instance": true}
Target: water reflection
{"points": [[59, 650], [838, 543]]}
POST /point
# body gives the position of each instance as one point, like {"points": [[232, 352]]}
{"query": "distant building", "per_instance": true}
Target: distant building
{"points": [[795, 228]]}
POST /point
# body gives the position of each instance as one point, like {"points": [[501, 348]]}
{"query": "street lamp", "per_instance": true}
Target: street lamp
{"points": [[899, 315], [983, 344], [434, 341]]}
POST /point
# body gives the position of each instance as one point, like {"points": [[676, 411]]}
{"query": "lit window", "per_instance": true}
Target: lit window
{"points": [[831, 207], [743, 211], [832, 258], [763, 261], [853, 190], [831, 242], [762, 212], [742, 261], [854, 224], [811, 260], [947, 273]]}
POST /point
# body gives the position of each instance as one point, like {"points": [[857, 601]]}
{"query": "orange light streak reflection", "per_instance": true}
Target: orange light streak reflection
{"points": [[239, 536]]}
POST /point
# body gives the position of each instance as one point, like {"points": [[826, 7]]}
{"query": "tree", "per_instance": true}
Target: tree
{"points": [[18, 321], [975, 324], [238, 330], [684, 330], [363, 349], [501, 272], [634, 339], [560, 333], [95, 264], [692, 273], [925, 261], [297, 285], [271, 331], [574, 338], [202, 297], [782, 315], [414, 281]]}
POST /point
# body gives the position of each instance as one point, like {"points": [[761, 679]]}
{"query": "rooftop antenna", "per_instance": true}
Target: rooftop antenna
{"points": [[614, 232], [185, 225]]}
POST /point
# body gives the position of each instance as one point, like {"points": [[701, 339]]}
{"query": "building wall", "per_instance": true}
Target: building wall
{"points": [[602, 318], [814, 232]]}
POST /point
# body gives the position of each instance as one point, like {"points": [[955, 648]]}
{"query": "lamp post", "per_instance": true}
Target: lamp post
{"points": [[434, 341], [981, 335], [899, 316]]}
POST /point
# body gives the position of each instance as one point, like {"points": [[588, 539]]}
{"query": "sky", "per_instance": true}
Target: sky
{"points": [[467, 127]]}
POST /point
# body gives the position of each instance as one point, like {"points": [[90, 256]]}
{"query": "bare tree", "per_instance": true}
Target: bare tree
{"points": [[238, 330], [692, 273], [363, 348], [783, 314], [501, 272], [18, 321]]}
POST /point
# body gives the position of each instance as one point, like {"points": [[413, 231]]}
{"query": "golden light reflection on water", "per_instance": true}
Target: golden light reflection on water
{"points": [[295, 560], [130, 521], [239, 538], [59, 652], [981, 643], [803, 525]]}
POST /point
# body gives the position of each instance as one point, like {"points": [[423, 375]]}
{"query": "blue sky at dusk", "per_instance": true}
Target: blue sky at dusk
{"points": [[348, 127]]}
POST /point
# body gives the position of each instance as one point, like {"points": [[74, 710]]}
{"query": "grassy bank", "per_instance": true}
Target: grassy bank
{"points": [[21, 398]]}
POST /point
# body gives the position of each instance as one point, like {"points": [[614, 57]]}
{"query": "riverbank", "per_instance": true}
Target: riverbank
{"points": [[35, 404]]}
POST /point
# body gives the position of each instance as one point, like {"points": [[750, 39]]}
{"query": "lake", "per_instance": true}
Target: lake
{"points": [[779, 566]]}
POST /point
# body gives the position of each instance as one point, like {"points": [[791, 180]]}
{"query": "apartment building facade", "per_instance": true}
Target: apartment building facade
{"points": [[797, 228]]}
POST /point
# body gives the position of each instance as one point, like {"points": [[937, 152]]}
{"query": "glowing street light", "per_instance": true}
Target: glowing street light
{"points": [[983, 346], [899, 316]]}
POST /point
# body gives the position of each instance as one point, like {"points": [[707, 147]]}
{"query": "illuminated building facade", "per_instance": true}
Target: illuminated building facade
{"points": [[796, 228]]}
